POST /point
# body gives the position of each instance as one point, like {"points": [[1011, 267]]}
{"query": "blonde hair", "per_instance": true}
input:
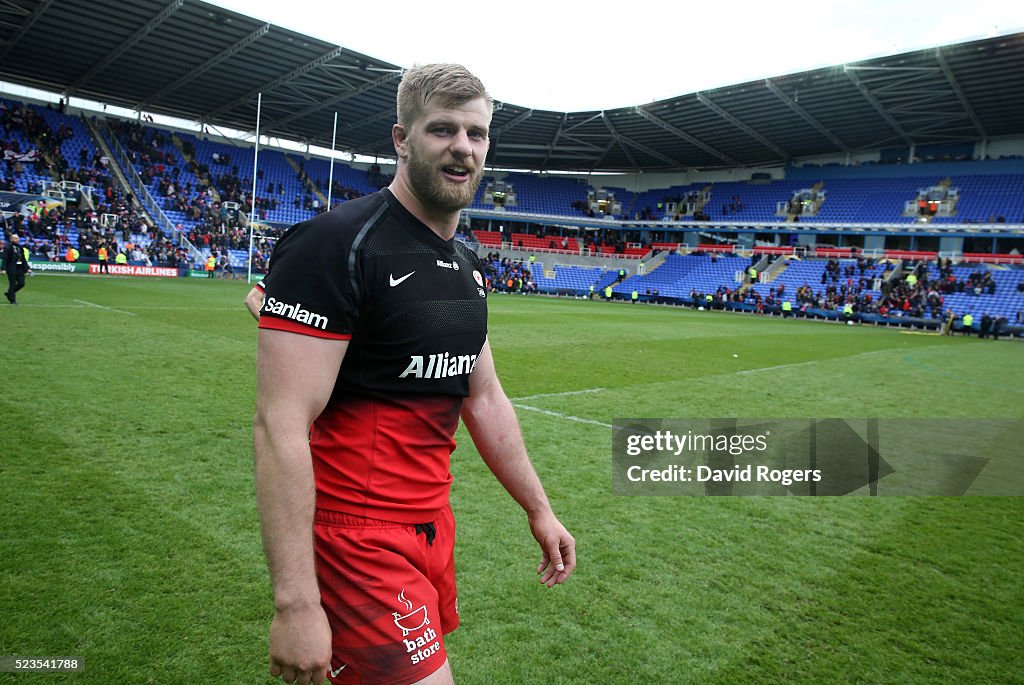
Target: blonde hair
{"points": [[453, 84]]}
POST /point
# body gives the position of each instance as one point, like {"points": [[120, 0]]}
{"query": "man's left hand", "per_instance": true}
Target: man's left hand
{"points": [[558, 549]]}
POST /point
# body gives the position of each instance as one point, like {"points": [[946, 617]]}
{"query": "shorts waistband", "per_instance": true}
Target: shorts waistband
{"points": [[330, 517]]}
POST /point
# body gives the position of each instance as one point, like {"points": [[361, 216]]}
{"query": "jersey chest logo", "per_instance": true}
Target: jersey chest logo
{"points": [[392, 281]]}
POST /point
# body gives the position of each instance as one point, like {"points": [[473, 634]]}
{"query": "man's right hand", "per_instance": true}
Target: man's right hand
{"points": [[300, 645]]}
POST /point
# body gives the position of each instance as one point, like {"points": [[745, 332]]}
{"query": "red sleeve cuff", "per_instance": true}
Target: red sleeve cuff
{"points": [[274, 323]]}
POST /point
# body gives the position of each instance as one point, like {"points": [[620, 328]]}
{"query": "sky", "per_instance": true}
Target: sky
{"points": [[576, 56]]}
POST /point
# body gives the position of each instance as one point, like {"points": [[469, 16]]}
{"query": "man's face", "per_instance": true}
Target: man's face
{"points": [[444, 150]]}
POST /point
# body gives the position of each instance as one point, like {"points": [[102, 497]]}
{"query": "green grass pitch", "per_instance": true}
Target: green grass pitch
{"points": [[130, 536]]}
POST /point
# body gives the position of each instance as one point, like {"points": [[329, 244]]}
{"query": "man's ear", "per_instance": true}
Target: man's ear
{"points": [[399, 139]]}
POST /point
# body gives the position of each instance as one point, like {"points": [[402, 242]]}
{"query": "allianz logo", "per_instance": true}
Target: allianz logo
{"points": [[295, 312], [440, 365], [448, 265]]}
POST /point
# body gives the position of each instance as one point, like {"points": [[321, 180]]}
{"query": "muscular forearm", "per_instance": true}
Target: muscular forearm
{"points": [[492, 423], [295, 376], [285, 497]]}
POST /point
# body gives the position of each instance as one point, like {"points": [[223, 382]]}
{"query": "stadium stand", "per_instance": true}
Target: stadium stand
{"points": [[988, 199], [195, 180], [983, 199], [570, 280], [50, 152], [553, 195], [870, 200], [679, 274]]}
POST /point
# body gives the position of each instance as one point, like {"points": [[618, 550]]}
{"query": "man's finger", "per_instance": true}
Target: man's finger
{"points": [[555, 555], [551, 566], [569, 558], [560, 571]]}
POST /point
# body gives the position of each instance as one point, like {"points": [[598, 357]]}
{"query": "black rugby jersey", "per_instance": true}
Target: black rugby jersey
{"points": [[414, 310]]}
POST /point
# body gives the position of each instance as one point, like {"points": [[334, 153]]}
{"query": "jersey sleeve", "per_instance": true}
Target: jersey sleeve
{"points": [[311, 285]]}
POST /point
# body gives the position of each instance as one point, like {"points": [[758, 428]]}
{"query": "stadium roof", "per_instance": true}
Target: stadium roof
{"points": [[196, 61]]}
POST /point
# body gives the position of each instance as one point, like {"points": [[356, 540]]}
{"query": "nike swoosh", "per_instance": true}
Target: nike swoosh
{"points": [[334, 674], [395, 281]]}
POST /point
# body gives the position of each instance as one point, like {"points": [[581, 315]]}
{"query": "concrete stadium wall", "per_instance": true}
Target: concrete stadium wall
{"points": [[549, 259], [954, 169]]}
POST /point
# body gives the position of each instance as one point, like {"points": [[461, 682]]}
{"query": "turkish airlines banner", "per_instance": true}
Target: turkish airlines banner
{"points": [[129, 270]]}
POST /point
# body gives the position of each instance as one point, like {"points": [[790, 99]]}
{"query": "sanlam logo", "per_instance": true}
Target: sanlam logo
{"points": [[441, 365], [295, 312]]}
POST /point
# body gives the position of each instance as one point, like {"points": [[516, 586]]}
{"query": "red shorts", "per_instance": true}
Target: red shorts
{"points": [[389, 595]]}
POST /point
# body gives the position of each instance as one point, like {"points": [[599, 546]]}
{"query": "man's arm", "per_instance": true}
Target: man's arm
{"points": [[295, 377], [254, 302], [492, 423]]}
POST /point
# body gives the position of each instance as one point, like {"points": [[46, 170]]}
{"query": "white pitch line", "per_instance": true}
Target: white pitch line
{"points": [[557, 394], [560, 415], [808, 363], [773, 368], [52, 306], [139, 307], [149, 308], [99, 306]]}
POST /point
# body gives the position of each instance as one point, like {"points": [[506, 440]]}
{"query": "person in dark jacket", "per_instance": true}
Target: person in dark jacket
{"points": [[15, 266]]}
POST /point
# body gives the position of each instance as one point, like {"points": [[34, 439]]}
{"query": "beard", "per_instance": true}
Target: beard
{"points": [[434, 190]]}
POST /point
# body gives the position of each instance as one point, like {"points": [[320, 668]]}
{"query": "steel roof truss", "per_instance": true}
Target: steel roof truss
{"points": [[511, 123], [646, 150], [703, 99], [951, 79], [922, 102], [536, 147], [679, 133], [803, 114], [372, 119], [32, 18], [369, 85], [921, 99], [306, 94], [554, 140], [888, 141], [495, 134], [327, 77], [599, 115], [583, 142], [163, 16], [612, 142], [288, 97], [874, 102], [279, 81], [207, 65], [617, 139], [8, 7]]}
